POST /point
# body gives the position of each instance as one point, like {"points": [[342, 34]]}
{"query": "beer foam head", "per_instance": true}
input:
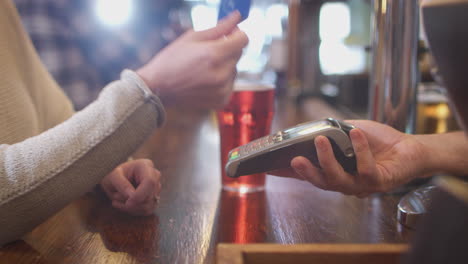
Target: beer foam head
{"points": [[431, 98], [432, 93], [252, 86]]}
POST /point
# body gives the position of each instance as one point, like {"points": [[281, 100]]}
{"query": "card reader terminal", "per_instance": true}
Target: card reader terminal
{"points": [[276, 151]]}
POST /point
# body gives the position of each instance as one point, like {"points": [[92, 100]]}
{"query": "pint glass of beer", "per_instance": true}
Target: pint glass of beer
{"points": [[433, 113], [246, 117]]}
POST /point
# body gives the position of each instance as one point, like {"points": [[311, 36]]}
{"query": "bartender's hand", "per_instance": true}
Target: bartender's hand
{"points": [[198, 68], [133, 187], [386, 158]]}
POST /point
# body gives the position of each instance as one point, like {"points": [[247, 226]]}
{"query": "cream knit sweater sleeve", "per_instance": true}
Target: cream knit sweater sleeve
{"points": [[41, 174], [46, 162]]}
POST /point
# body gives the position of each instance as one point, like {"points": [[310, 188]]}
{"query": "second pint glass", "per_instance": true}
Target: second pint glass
{"points": [[246, 117]]}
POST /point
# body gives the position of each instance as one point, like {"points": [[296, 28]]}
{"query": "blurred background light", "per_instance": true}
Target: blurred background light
{"points": [[274, 16], [338, 58], [253, 58], [335, 56], [204, 16], [335, 21], [114, 12], [263, 24]]}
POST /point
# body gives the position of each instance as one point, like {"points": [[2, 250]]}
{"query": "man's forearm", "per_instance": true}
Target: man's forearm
{"points": [[446, 152]]}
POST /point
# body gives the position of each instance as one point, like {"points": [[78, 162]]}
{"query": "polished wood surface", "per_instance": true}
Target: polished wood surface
{"points": [[260, 253], [194, 215]]}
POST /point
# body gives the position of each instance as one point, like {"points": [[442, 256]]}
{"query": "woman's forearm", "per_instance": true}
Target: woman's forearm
{"points": [[42, 174]]}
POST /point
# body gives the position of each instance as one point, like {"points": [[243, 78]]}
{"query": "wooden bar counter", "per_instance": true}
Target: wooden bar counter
{"points": [[194, 215]]}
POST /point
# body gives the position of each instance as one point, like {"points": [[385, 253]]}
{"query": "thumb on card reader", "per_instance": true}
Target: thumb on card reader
{"points": [[277, 150]]}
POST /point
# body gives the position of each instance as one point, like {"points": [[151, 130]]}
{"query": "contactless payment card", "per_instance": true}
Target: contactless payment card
{"points": [[228, 6]]}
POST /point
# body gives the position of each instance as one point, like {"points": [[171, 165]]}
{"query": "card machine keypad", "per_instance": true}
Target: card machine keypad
{"points": [[260, 143]]}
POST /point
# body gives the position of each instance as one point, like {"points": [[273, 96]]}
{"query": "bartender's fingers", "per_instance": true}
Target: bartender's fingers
{"points": [[287, 173], [367, 173], [303, 167], [336, 178]]}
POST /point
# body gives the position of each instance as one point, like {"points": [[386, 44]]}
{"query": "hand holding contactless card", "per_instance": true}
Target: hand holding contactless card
{"points": [[277, 150], [228, 6]]}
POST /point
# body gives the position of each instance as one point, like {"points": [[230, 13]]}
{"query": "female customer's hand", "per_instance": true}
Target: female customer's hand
{"points": [[133, 187], [198, 68]]}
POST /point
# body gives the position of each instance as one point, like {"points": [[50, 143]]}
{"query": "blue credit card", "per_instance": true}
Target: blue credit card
{"points": [[228, 6]]}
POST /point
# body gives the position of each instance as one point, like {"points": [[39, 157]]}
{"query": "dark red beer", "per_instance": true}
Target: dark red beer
{"points": [[241, 217], [247, 117]]}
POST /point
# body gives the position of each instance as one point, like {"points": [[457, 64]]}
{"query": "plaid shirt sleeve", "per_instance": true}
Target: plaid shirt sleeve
{"points": [[82, 54], [56, 43]]}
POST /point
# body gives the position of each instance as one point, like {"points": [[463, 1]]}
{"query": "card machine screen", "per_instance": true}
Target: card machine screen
{"points": [[305, 129]]}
